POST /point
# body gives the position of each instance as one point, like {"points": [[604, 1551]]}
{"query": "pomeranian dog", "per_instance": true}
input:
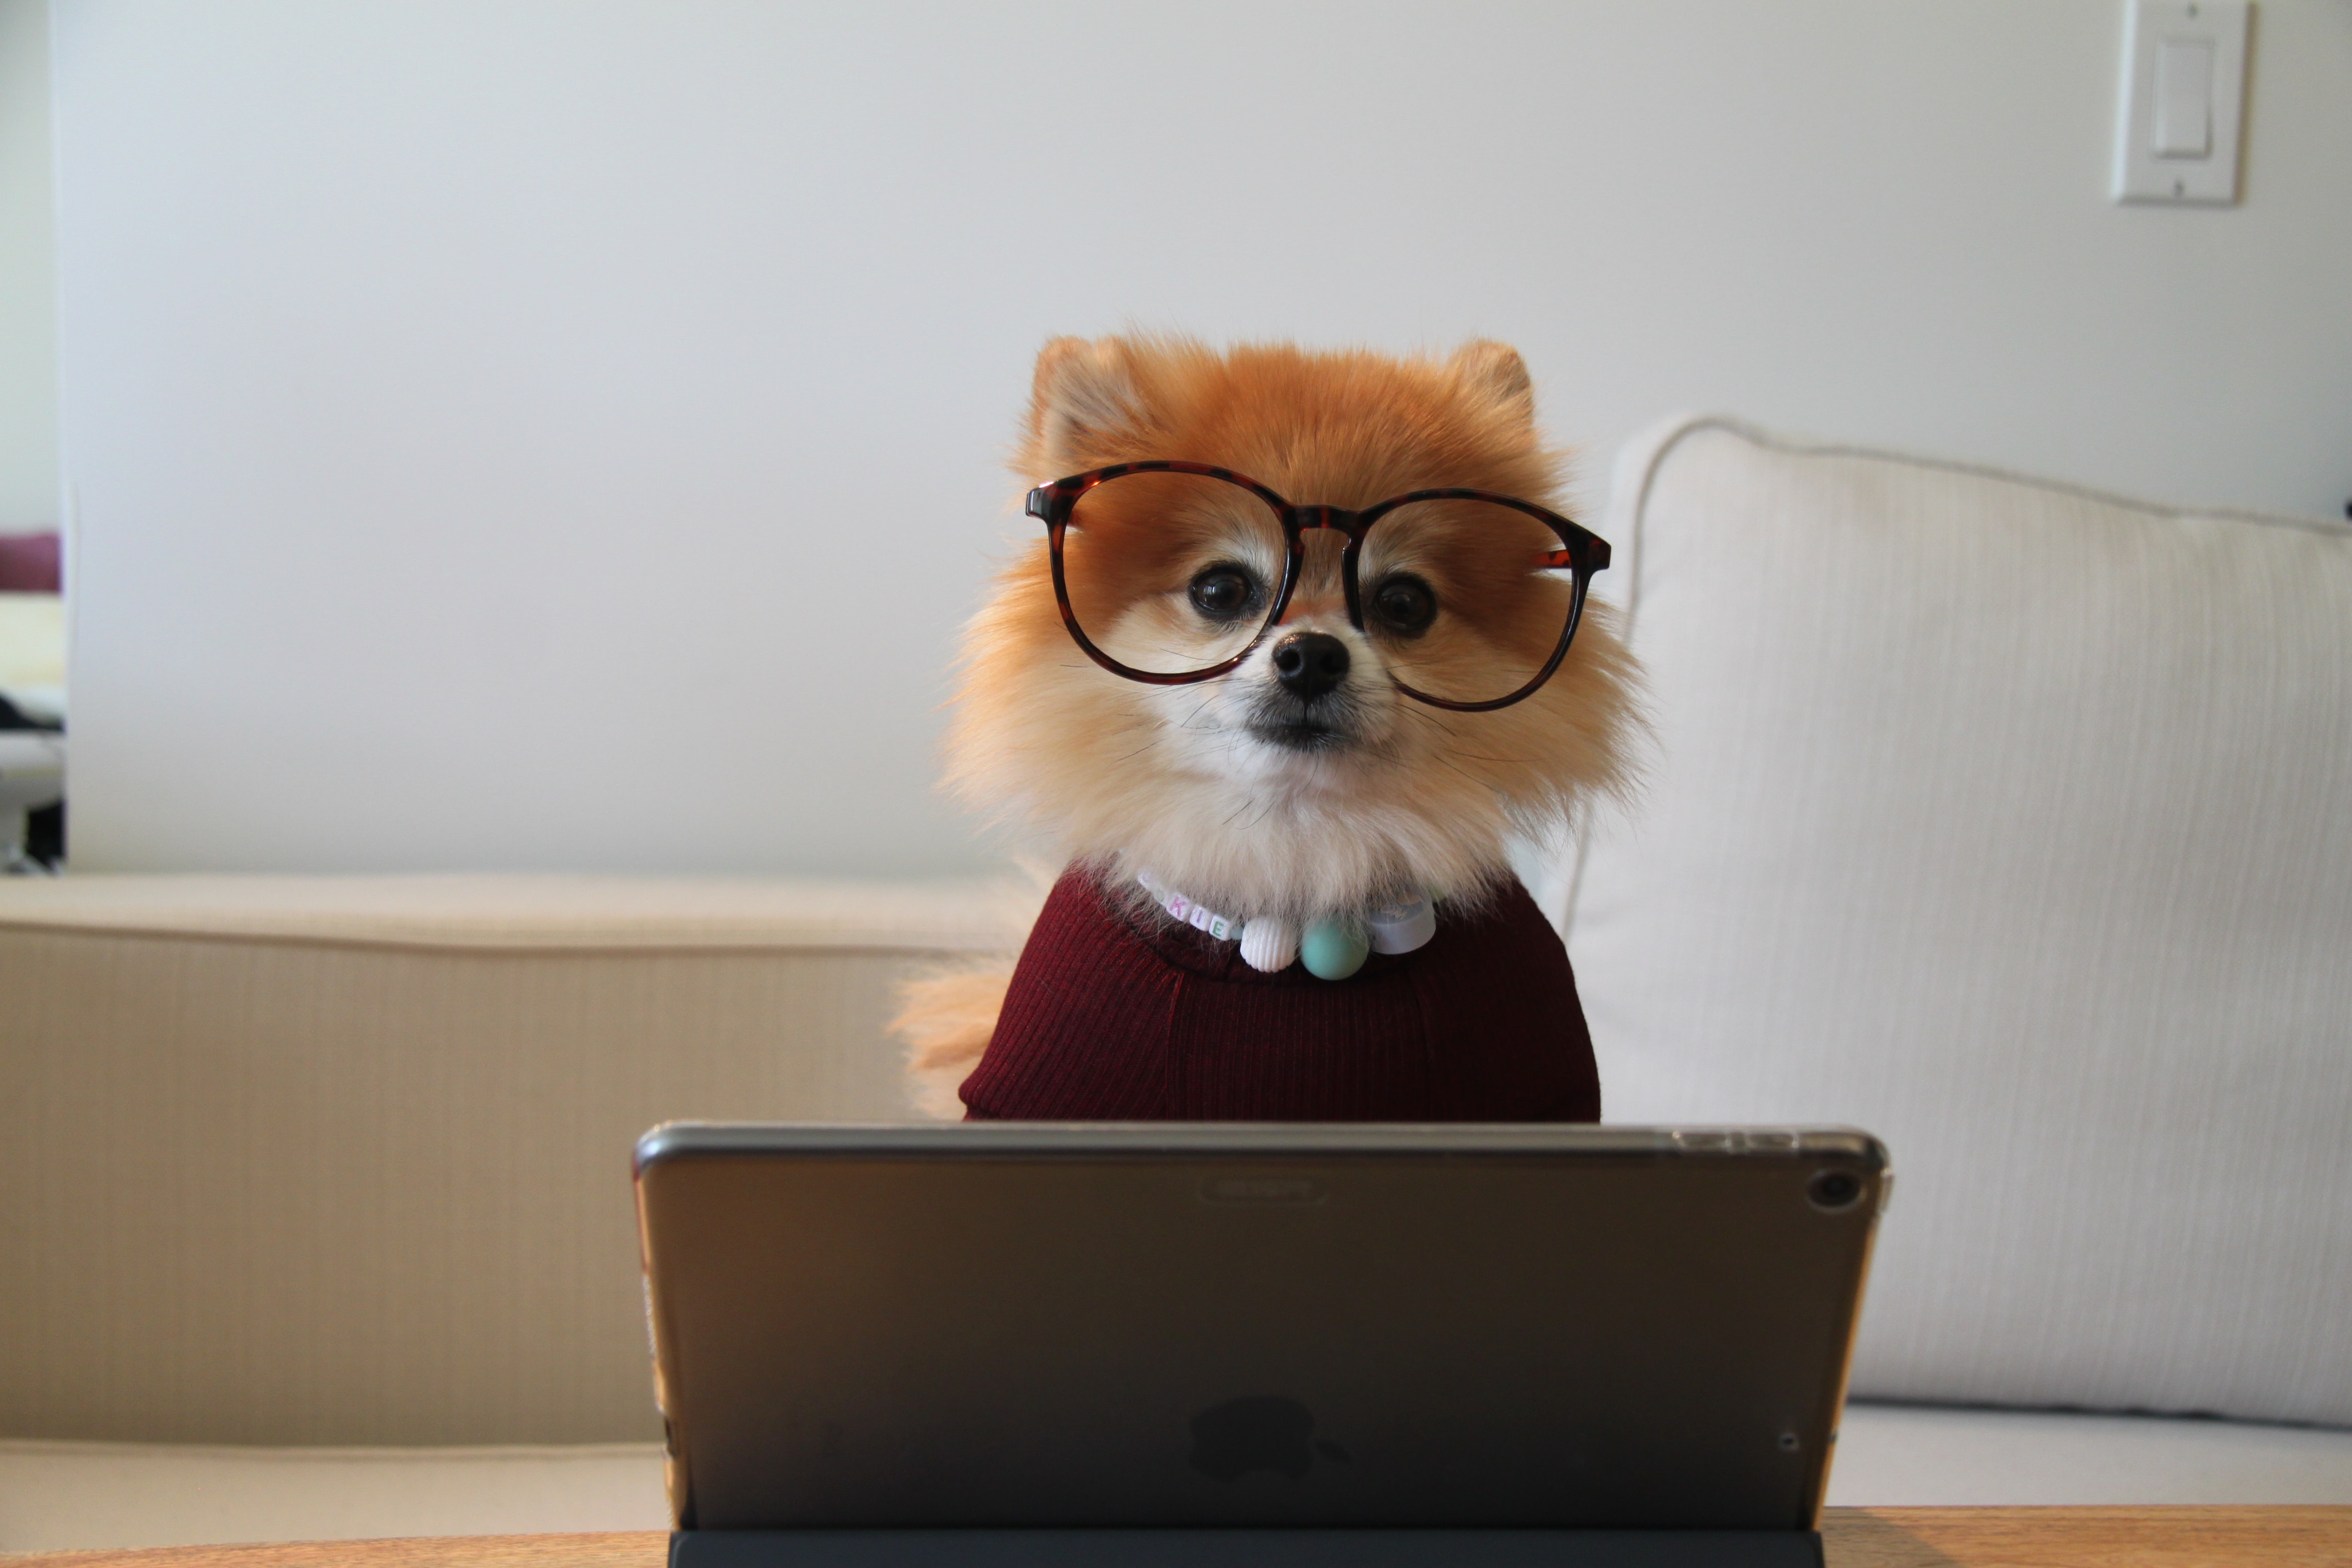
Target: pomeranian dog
{"points": [[1301, 646]]}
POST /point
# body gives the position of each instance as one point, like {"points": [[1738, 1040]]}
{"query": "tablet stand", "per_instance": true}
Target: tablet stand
{"points": [[1246, 1549]]}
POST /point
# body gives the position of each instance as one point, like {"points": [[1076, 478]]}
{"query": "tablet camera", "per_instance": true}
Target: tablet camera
{"points": [[1834, 1191]]}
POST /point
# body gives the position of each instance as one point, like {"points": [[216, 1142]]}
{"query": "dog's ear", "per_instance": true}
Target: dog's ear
{"points": [[1085, 400], [1495, 374]]}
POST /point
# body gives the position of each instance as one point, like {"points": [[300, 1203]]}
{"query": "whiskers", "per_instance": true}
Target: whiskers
{"points": [[1449, 738], [1192, 720], [1247, 801]]}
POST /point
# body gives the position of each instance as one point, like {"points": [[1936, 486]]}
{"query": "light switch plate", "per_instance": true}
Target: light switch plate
{"points": [[2183, 100]]}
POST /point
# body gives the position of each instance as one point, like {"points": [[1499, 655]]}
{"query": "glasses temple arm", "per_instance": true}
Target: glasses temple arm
{"points": [[1553, 559]]}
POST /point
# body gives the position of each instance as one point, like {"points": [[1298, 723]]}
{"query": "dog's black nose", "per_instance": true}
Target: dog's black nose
{"points": [[1311, 664]]}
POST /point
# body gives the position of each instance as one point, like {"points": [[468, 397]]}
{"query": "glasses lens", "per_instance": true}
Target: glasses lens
{"points": [[1466, 600], [1170, 574]]}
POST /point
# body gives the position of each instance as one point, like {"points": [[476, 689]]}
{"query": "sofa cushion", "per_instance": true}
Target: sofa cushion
{"points": [[346, 1160], [2013, 823]]}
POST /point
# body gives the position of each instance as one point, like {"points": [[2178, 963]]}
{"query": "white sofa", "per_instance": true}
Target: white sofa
{"points": [[2011, 821]]}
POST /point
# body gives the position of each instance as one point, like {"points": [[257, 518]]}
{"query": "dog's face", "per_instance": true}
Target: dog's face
{"points": [[1302, 779]]}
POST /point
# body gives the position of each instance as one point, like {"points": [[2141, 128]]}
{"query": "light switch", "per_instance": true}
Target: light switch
{"points": [[2184, 97], [2183, 100]]}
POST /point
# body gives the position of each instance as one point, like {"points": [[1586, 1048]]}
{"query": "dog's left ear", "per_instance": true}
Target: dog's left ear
{"points": [[1498, 375]]}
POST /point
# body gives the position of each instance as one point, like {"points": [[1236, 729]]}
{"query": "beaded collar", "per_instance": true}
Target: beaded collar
{"points": [[1399, 927]]}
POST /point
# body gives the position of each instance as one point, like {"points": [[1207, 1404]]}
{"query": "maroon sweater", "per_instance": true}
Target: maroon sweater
{"points": [[1126, 1016]]}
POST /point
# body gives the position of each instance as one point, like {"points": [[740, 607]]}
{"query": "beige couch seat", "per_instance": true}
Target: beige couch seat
{"points": [[333, 1161], [324, 1227]]}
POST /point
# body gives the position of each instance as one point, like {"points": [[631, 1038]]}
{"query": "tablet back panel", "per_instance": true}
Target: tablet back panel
{"points": [[1055, 1325]]}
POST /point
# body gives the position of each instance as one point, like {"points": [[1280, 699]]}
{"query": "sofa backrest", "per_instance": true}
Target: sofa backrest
{"points": [[2012, 823], [346, 1160]]}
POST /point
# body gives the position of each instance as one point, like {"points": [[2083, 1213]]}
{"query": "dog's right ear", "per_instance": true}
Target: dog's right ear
{"points": [[1495, 372], [1084, 409]]}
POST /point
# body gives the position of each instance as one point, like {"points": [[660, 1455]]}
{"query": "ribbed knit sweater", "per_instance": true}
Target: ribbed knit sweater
{"points": [[1117, 1013]]}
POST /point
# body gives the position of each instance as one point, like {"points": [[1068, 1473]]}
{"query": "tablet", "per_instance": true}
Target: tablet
{"points": [[1253, 1326]]}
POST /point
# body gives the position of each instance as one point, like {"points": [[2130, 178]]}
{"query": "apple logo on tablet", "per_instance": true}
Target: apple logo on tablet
{"points": [[1262, 1432]]}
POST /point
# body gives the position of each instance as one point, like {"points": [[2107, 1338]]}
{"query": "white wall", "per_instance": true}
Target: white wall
{"points": [[28, 326], [566, 435]]}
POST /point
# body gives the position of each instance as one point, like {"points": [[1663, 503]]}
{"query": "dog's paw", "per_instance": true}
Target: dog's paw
{"points": [[1269, 945]]}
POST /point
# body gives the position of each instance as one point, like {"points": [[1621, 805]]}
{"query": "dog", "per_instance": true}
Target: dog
{"points": [[1334, 797]]}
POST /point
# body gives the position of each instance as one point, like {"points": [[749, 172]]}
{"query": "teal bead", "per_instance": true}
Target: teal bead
{"points": [[1333, 950]]}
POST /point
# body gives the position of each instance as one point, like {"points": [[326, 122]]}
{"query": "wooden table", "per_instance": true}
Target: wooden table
{"points": [[1853, 1537]]}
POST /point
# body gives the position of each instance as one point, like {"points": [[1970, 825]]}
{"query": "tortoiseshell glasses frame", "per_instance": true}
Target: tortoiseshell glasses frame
{"points": [[1581, 552]]}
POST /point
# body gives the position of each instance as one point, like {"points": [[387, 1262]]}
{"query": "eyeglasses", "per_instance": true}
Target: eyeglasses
{"points": [[1171, 572]]}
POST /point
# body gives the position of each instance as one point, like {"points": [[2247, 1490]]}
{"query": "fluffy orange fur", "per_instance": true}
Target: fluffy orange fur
{"points": [[1123, 776]]}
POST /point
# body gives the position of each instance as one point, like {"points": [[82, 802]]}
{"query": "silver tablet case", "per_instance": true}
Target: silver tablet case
{"points": [[1156, 1324]]}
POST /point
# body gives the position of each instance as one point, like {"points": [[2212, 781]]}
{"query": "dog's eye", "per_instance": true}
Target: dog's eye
{"points": [[1223, 593], [1404, 603]]}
